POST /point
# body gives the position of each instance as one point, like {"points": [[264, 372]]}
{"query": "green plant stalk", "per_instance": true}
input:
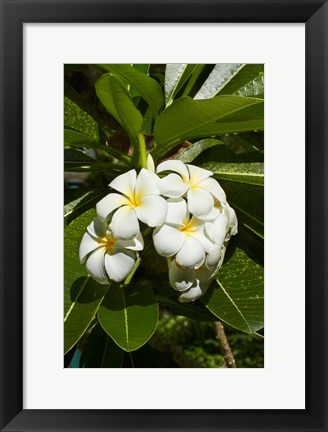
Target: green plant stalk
{"points": [[142, 151], [131, 274], [195, 75]]}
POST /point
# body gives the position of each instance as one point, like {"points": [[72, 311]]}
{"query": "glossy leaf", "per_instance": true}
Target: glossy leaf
{"points": [[148, 88], [188, 119], [74, 158], [81, 204], [76, 139], [250, 173], [100, 351], [117, 101], [236, 297], [129, 315], [248, 202], [79, 120], [217, 79], [194, 310], [195, 149], [176, 75], [82, 295], [249, 81]]}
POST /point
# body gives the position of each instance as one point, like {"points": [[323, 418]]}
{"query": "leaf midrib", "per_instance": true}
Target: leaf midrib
{"points": [[177, 137], [76, 299], [236, 307]]}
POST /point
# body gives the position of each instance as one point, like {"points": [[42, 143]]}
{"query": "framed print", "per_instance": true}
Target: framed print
{"points": [[94, 53]]}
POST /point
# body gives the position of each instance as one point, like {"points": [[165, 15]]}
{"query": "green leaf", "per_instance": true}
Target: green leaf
{"points": [[248, 202], [237, 296], [74, 158], [82, 295], [249, 81], [73, 138], [187, 119], [196, 149], [194, 310], [217, 79], [80, 205], [101, 351], [117, 101], [76, 118], [250, 173], [129, 315], [249, 141], [176, 75], [148, 88]]}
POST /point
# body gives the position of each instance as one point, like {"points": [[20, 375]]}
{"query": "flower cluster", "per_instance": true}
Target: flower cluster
{"points": [[191, 218]]}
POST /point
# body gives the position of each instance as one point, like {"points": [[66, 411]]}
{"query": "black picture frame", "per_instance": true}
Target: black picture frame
{"points": [[314, 13]]}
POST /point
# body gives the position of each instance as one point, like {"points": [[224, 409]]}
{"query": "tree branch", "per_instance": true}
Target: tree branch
{"points": [[224, 345]]}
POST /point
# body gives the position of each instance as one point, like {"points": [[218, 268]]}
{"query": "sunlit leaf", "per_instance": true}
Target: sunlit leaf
{"points": [[147, 87], [196, 149], [117, 101], [237, 296], [250, 173], [249, 81], [129, 315], [217, 79], [82, 295], [176, 75], [188, 119]]}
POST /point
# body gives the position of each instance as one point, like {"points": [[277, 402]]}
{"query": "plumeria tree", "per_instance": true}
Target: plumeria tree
{"points": [[163, 211]]}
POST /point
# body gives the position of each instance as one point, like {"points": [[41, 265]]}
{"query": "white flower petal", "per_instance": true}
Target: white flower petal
{"points": [[110, 203], [177, 212], [146, 184], [232, 221], [167, 240], [191, 254], [95, 265], [217, 230], [124, 223], [172, 186], [87, 245], [211, 215], [119, 265], [150, 163], [197, 174], [176, 166], [125, 183], [135, 244], [152, 210], [214, 258], [202, 237], [200, 201], [97, 229], [199, 288], [213, 186], [181, 279]]}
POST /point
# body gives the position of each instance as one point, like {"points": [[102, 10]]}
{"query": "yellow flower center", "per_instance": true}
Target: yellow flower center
{"points": [[108, 242], [135, 199], [188, 227]]}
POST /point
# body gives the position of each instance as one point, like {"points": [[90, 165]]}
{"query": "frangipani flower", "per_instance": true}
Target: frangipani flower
{"points": [[105, 256], [190, 283], [223, 226], [140, 200], [182, 235], [196, 182]]}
